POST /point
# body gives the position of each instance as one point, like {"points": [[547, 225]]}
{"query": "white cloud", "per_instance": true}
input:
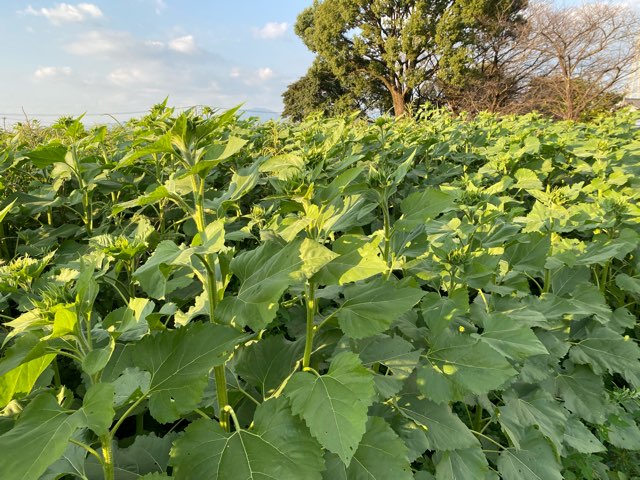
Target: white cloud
{"points": [[235, 72], [160, 6], [101, 43], [271, 30], [51, 72], [66, 13], [265, 73], [129, 76], [186, 44]]}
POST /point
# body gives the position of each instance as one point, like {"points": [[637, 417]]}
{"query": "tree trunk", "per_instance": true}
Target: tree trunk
{"points": [[399, 103]]}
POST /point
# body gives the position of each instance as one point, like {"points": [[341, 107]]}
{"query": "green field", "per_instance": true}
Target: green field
{"points": [[201, 296]]}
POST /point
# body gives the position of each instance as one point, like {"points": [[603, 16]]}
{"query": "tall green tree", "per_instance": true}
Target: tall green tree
{"points": [[388, 41], [320, 90]]}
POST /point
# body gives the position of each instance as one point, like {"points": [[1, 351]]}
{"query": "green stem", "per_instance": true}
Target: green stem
{"points": [[56, 373], [140, 423], [125, 415], [310, 302], [223, 398], [477, 421], [107, 457], [88, 449], [387, 234], [603, 277], [229, 411]]}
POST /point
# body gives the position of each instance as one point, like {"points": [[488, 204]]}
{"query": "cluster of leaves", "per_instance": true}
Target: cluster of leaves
{"points": [[199, 296]]}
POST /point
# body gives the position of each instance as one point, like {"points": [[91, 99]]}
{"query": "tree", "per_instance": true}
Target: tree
{"points": [[320, 90], [593, 49], [486, 55], [387, 41]]}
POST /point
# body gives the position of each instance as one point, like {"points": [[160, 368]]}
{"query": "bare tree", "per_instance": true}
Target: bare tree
{"points": [[592, 47]]}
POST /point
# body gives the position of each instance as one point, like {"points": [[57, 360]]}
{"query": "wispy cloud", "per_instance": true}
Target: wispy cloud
{"points": [[66, 13], [265, 73], [271, 30], [186, 44], [101, 43], [50, 72]]}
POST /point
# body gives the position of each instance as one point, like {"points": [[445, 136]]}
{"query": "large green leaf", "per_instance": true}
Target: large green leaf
{"points": [[607, 351], [147, 454], [465, 364], [371, 307], [444, 429], [534, 460], [583, 393], [179, 362], [381, 455], [421, 206], [21, 379], [265, 273], [334, 406], [577, 436], [510, 337], [277, 447], [38, 439], [97, 407], [537, 409], [461, 464], [265, 364], [359, 259]]}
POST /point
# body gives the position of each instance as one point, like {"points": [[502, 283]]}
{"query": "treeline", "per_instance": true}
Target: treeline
{"points": [[508, 56]]}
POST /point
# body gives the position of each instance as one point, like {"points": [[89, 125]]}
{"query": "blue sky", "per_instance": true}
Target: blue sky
{"points": [[113, 56], [110, 56]]}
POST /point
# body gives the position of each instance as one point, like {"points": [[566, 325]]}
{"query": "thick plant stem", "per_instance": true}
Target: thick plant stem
{"points": [[387, 235], [107, 458], [223, 398], [310, 292]]}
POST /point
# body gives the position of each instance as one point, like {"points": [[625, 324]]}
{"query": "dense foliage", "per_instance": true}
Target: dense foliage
{"points": [[199, 296]]}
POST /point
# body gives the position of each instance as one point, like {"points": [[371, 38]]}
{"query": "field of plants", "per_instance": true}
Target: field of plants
{"points": [[199, 296]]}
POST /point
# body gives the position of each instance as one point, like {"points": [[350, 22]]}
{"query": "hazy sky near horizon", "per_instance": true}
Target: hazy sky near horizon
{"points": [[120, 56]]}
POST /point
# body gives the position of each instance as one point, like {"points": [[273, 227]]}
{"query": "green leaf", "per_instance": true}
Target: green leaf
{"points": [[46, 155], [527, 180], [97, 407], [606, 351], [179, 362], [359, 259], [283, 166], [623, 432], [371, 307], [334, 406], [6, 210], [265, 364], [421, 206], [583, 393], [537, 409], [381, 455], [38, 439], [628, 284], [153, 276], [461, 464], [20, 380], [98, 358], [277, 447], [147, 456], [534, 460], [468, 364], [65, 323], [510, 337], [444, 429], [265, 273], [529, 253], [577, 436]]}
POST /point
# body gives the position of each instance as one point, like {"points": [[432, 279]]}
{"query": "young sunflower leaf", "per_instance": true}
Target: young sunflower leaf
{"points": [[179, 362], [467, 364], [334, 406], [461, 464], [534, 460], [358, 259], [278, 446], [38, 439], [265, 273], [371, 307], [444, 429], [583, 393], [381, 455], [97, 407], [21, 379], [510, 337], [606, 351]]}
